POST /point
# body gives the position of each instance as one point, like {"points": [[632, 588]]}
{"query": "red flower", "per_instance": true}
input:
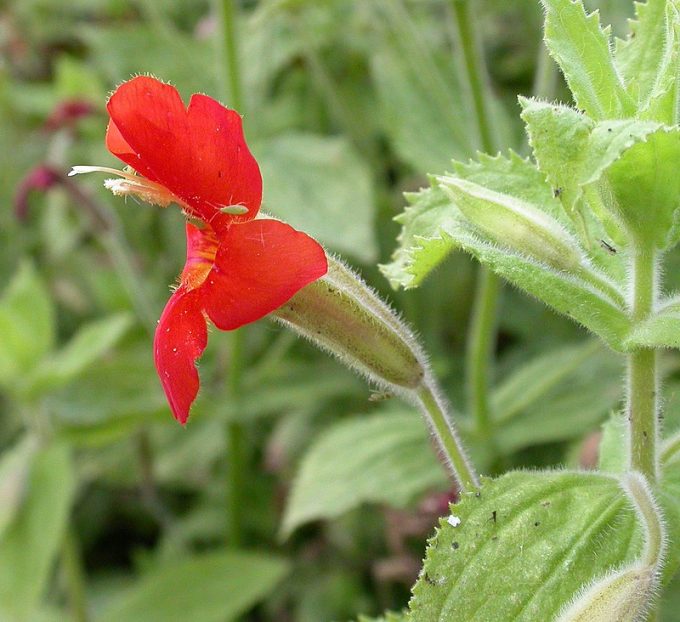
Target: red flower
{"points": [[238, 269]]}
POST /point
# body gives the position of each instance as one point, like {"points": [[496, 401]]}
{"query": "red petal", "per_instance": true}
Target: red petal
{"points": [[259, 265], [199, 153], [181, 337]]}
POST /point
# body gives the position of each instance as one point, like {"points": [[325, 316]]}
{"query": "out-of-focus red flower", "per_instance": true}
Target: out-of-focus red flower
{"points": [[238, 268], [67, 113], [41, 178]]}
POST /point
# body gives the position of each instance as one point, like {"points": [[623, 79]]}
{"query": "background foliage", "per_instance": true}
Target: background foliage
{"points": [[111, 511]]}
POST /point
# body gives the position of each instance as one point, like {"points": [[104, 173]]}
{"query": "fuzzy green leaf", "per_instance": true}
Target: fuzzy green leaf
{"points": [[646, 187], [386, 458], [559, 138], [521, 549], [421, 244], [637, 159], [648, 59], [582, 50], [581, 293], [660, 330], [573, 152], [31, 541], [433, 226], [215, 587]]}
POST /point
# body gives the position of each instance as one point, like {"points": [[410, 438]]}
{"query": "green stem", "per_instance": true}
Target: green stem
{"points": [[228, 14], [74, 576], [642, 400], [474, 71], [480, 347], [482, 332], [437, 414], [235, 445]]}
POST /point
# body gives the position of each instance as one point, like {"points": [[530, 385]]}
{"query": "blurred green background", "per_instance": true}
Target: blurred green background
{"points": [[109, 510]]}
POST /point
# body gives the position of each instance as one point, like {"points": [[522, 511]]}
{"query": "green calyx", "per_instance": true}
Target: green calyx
{"points": [[341, 313]]}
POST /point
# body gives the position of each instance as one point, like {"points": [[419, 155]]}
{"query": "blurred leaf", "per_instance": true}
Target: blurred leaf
{"points": [[15, 465], [31, 541], [89, 343], [388, 617], [588, 69], [556, 396], [119, 52], [386, 458], [75, 79], [50, 615], [425, 135], [321, 186], [113, 396], [520, 549], [215, 587], [26, 325], [531, 381]]}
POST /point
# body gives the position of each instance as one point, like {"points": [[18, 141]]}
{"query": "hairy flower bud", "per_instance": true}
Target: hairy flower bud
{"points": [[342, 314], [625, 594], [514, 224]]}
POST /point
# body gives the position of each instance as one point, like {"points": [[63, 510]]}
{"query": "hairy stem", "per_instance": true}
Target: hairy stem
{"points": [[642, 402], [436, 411]]}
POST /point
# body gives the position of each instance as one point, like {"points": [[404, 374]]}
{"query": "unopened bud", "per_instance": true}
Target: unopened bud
{"points": [[342, 314], [625, 594], [514, 224]]}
